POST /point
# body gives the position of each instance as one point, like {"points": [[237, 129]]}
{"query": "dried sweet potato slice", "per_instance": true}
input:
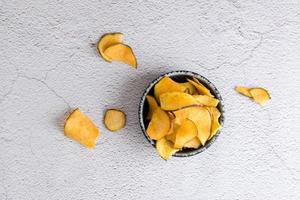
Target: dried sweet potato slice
{"points": [[206, 100], [200, 116], [165, 148], [81, 128], [122, 53], [159, 125], [171, 137], [166, 84], [201, 88], [215, 126], [107, 40], [243, 91], [194, 143], [114, 119], [176, 100], [260, 95], [189, 88], [152, 106], [186, 132]]}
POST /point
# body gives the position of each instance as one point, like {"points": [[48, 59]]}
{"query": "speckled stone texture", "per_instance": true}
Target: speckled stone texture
{"points": [[49, 64]]}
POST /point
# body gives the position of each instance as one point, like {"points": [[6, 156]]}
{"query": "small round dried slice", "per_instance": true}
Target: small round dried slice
{"points": [[114, 119]]}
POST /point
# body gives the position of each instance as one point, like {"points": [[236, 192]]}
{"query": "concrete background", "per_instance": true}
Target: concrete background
{"points": [[49, 64]]}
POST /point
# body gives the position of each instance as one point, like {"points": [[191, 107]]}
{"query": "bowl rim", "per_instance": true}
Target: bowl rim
{"points": [[202, 79]]}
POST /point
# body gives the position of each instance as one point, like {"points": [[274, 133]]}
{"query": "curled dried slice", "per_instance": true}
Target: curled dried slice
{"points": [[176, 100], [114, 119], [165, 148], [81, 128], [186, 132], [159, 125], [194, 143], [152, 106], [171, 137], [107, 40], [200, 88], [243, 91], [260, 95], [189, 88], [215, 126], [206, 100], [166, 84], [200, 116], [122, 53]]}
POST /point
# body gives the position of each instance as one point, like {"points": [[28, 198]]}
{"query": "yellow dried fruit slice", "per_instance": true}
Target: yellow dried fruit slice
{"points": [[260, 95], [107, 40], [200, 116], [186, 132], [176, 100], [122, 53], [165, 148], [201, 88], [159, 125], [81, 128], [215, 126], [206, 100], [171, 137], [166, 84], [194, 143], [189, 88], [152, 106], [243, 91], [114, 119]]}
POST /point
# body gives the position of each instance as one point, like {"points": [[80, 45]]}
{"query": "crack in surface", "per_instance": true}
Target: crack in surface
{"points": [[48, 87], [56, 66], [12, 85]]}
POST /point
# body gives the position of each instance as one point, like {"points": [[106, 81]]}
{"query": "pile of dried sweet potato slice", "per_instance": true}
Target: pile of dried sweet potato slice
{"points": [[181, 115]]}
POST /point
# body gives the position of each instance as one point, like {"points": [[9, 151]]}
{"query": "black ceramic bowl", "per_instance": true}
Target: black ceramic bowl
{"points": [[180, 76]]}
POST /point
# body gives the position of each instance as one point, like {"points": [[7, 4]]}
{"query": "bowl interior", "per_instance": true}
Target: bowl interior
{"points": [[179, 76]]}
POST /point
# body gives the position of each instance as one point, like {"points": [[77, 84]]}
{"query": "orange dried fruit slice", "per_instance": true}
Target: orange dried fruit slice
{"points": [[165, 148], [194, 143], [81, 128], [260, 95], [114, 119], [121, 53], [159, 125], [166, 84], [215, 126], [200, 88], [152, 106], [206, 100], [200, 116], [186, 132], [106, 41], [189, 88], [243, 91], [176, 100]]}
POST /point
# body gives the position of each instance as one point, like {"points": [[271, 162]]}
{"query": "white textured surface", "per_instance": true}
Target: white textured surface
{"points": [[48, 63]]}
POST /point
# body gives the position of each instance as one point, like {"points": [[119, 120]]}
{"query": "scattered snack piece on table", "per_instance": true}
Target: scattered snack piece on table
{"points": [[106, 41], [81, 128], [114, 119], [259, 95], [181, 115], [111, 48]]}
